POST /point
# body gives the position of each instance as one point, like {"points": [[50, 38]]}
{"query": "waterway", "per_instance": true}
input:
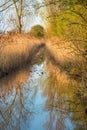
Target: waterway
{"points": [[33, 99]]}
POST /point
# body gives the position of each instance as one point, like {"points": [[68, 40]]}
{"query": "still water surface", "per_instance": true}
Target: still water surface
{"points": [[30, 100]]}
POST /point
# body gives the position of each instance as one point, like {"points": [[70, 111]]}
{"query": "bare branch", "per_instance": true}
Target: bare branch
{"points": [[5, 3], [44, 4], [7, 7]]}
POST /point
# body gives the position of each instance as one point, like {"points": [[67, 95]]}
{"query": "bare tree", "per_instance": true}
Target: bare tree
{"points": [[18, 11]]}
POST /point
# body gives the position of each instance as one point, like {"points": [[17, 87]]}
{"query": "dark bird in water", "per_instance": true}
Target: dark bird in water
{"points": [[41, 72], [6, 73]]}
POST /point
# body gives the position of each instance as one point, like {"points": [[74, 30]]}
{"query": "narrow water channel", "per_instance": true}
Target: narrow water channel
{"points": [[30, 99]]}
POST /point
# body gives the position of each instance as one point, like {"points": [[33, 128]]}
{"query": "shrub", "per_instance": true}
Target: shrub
{"points": [[37, 31]]}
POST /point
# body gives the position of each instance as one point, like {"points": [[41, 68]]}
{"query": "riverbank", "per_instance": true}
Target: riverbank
{"points": [[20, 50], [16, 51]]}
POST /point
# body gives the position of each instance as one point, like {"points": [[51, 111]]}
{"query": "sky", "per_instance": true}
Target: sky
{"points": [[35, 18]]}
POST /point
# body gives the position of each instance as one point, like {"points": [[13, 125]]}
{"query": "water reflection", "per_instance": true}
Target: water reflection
{"points": [[20, 99], [65, 108], [11, 102], [42, 98]]}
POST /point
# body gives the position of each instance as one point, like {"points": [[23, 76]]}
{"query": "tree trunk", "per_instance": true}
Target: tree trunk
{"points": [[19, 14]]}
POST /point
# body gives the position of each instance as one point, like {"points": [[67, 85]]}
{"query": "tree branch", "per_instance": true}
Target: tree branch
{"points": [[44, 4], [79, 14], [4, 3], [7, 7]]}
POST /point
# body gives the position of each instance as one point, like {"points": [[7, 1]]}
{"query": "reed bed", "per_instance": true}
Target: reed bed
{"points": [[17, 50], [61, 50]]}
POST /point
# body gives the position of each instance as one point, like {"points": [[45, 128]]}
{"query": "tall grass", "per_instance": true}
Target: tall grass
{"points": [[61, 50], [17, 50]]}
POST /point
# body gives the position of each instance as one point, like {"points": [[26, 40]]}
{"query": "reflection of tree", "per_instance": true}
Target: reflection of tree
{"points": [[61, 104], [65, 109], [15, 113], [19, 108], [12, 91]]}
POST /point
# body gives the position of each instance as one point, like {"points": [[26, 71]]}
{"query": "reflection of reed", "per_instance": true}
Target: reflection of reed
{"points": [[10, 114], [61, 99], [16, 79], [20, 101]]}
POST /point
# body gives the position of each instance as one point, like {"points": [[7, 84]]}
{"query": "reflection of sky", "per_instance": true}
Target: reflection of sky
{"points": [[28, 21], [23, 107], [28, 107]]}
